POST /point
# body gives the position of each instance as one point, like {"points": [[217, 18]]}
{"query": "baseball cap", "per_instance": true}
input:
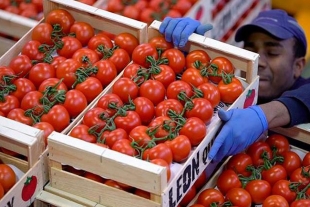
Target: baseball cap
{"points": [[277, 23]]}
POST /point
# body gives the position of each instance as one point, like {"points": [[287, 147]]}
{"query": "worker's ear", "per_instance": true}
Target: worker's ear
{"points": [[299, 65]]}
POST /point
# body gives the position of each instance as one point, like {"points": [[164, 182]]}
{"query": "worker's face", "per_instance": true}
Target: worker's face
{"points": [[276, 63]]}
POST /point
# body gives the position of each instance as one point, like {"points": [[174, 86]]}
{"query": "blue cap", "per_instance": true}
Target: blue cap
{"points": [[277, 23]]}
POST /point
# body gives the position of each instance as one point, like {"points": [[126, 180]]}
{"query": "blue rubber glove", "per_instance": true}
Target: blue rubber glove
{"points": [[242, 127], [177, 30]]}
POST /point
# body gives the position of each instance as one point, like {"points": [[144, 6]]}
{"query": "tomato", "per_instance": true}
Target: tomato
{"points": [[58, 117], [161, 151], [94, 177], [145, 108], [177, 87], [163, 108], [196, 205], [7, 177], [110, 137], [220, 66], [256, 149], [4, 4], [140, 135], [99, 43], [51, 82], [301, 175], [100, 144], [147, 15], [160, 43], [56, 61], [31, 99], [282, 188], [142, 193], [176, 59], [85, 56], [291, 161], [239, 163], [162, 125], [106, 72], [163, 163], [1, 191], [83, 31], [43, 33], [180, 147], [153, 90], [210, 196], [300, 203], [193, 77], [114, 6], [183, 6], [166, 75], [10, 102], [142, 52], [273, 174], [158, 5], [129, 121], [31, 49], [126, 41], [211, 93], [201, 180], [29, 13], [189, 196], [61, 17], [38, 4], [91, 88], [23, 86], [275, 201], [141, 4], [18, 115], [173, 13], [75, 102], [125, 88], [21, 65], [195, 129], [95, 117], [124, 146], [41, 72], [227, 180], [131, 11], [131, 72], [47, 129], [231, 91], [81, 131], [12, 9], [107, 99], [197, 59], [239, 197], [306, 160], [279, 143], [201, 108], [69, 46], [66, 71], [120, 58], [259, 190]]}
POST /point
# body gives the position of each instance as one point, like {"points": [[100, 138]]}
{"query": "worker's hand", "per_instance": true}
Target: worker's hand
{"points": [[241, 128], [177, 30]]}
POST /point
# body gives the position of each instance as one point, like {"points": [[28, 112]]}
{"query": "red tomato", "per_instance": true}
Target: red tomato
{"points": [[106, 72], [306, 160], [58, 117], [142, 193], [7, 177], [23, 86], [179, 88], [301, 175], [239, 163], [21, 65], [142, 4], [131, 72], [18, 115], [1, 191], [196, 205], [83, 31], [291, 161], [231, 91], [94, 177], [275, 201], [300, 203], [142, 52], [10, 102], [220, 66], [52, 82], [160, 43], [183, 6], [239, 197], [209, 196], [197, 59], [91, 88], [126, 89], [166, 75], [176, 59], [131, 11], [259, 190], [153, 90], [273, 174], [161, 151], [201, 180], [256, 150], [128, 121], [110, 137], [189, 196], [75, 102], [70, 46], [120, 58], [279, 143], [47, 129], [41, 72], [147, 15], [227, 180], [85, 56], [163, 163], [201, 108], [66, 71], [56, 61], [126, 41], [11, 8], [158, 5], [145, 108], [173, 14], [4, 4], [114, 6], [43, 33], [140, 135], [99, 43], [31, 49], [193, 77], [180, 147], [211, 93], [61, 17], [124, 146], [88, 2], [162, 126], [282, 188], [109, 99], [195, 129], [163, 108], [31, 100], [94, 117], [81, 131]]}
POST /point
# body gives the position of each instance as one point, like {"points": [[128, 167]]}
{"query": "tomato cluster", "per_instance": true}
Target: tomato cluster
{"points": [[29, 9], [148, 11], [268, 173], [7, 179], [61, 70]]}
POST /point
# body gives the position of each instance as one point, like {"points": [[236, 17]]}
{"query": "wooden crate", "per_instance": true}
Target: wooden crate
{"points": [[65, 150], [28, 142], [300, 132], [6, 44]]}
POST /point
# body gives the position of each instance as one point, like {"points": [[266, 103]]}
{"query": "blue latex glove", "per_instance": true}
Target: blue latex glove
{"points": [[242, 127], [177, 30]]}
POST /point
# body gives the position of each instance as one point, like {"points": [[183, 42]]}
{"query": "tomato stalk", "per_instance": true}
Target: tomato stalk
{"points": [[6, 86], [255, 175], [302, 193], [83, 73]]}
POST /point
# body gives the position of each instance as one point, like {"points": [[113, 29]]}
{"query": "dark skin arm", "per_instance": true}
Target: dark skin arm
{"points": [[276, 113]]}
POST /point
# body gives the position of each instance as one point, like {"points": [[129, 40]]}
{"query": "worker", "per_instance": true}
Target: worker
{"points": [[283, 95]]}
